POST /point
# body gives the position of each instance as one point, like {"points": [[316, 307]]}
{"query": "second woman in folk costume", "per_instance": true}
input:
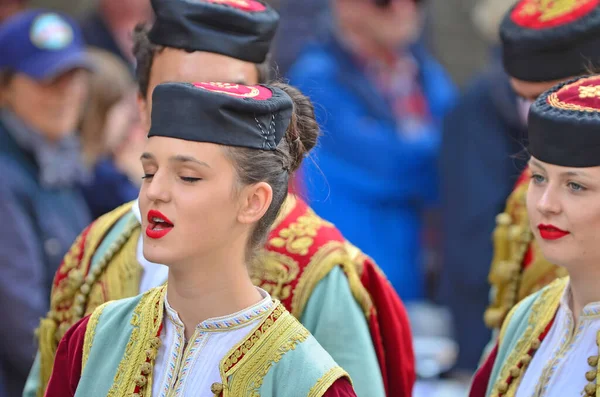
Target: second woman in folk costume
{"points": [[549, 343], [217, 165], [543, 43]]}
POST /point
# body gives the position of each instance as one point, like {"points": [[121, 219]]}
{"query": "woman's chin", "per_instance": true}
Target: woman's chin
{"points": [[157, 254], [557, 256]]}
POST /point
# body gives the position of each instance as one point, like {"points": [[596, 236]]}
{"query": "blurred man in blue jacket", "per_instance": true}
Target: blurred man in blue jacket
{"points": [[381, 98], [43, 85]]}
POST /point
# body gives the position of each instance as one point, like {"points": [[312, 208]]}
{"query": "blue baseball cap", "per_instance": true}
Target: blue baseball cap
{"points": [[42, 44]]}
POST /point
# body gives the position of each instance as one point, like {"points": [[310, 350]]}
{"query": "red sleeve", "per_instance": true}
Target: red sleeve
{"points": [[340, 388], [391, 334], [483, 374], [67, 362]]}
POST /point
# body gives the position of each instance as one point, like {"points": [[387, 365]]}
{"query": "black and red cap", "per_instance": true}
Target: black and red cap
{"points": [[564, 124], [241, 29], [546, 40], [254, 117]]}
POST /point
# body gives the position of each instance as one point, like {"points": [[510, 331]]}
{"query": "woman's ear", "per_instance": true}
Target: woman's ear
{"points": [[255, 201]]}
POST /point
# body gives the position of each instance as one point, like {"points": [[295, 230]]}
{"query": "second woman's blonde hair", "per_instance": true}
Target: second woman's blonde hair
{"points": [[110, 82]]}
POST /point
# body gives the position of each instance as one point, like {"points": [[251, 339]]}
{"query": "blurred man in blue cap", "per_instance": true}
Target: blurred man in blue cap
{"points": [[43, 83]]}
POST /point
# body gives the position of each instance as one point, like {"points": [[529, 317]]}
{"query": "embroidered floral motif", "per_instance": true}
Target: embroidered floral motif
{"points": [[299, 236], [274, 272]]}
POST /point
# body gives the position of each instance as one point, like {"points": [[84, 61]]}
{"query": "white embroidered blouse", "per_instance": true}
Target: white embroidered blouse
{"points": [[189, 369], [559, 366]]}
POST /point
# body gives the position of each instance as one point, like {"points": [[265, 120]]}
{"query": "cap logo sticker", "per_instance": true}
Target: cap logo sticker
{"points": [[51, 32], [582, 95], [542, 14], [244, 5], [237, 90]]}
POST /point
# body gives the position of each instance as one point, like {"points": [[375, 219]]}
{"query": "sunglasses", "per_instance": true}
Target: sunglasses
{"points": [[385, 3]]}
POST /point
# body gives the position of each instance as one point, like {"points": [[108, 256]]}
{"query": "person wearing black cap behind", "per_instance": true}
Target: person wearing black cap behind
{"points": [[549, 342], [543, 43], [43, 83], [217, 165], [337, 292]]}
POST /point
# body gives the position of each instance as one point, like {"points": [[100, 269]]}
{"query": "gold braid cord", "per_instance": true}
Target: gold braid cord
{"points": [[510, 280], [77, 291]]}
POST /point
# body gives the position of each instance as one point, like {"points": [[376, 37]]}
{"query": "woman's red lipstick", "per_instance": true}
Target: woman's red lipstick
{"points": [[158, 225], [550, 232]]}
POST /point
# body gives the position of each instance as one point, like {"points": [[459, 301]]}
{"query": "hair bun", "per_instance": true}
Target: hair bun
{"points": [[303, 131]]}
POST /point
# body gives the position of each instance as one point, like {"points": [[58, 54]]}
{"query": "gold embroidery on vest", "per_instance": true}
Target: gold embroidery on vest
{"points": [[121, 277], [66, 296], [146, 320], [90, 332], [299, 236], [254, 357], [328, 256], [274, 272], [81, 298], [325, 382], [242, 348]]}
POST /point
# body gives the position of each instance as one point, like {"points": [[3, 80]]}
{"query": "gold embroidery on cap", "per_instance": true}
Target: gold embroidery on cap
{"points": [[551, 9], [589, 92]]}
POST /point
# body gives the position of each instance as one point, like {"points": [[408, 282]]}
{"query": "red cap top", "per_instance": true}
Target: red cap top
{"points": [[244, 5], [584, 94], [256, 92], [543, 14]]}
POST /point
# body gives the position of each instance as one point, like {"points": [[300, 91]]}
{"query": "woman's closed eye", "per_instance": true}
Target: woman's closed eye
{"points": [[190, 179]]}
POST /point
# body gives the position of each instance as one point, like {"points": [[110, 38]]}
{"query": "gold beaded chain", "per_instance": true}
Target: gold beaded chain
{"points": [[143, 381], [81, 297]]}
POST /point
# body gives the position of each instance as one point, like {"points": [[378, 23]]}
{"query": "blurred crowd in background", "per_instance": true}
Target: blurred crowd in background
{"points": [[414, 163]]}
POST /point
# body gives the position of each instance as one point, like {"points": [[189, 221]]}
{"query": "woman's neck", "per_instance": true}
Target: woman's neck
{"points": [[207, 289], [584, 289]]}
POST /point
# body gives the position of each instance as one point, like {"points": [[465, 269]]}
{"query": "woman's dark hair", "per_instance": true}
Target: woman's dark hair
{"points": [[144, 51], [275, 166]]}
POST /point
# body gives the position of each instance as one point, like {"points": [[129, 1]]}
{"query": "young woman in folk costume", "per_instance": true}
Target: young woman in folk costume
{"points": [[217, 166], [549, 343], [544, 43], [336, 291]]}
